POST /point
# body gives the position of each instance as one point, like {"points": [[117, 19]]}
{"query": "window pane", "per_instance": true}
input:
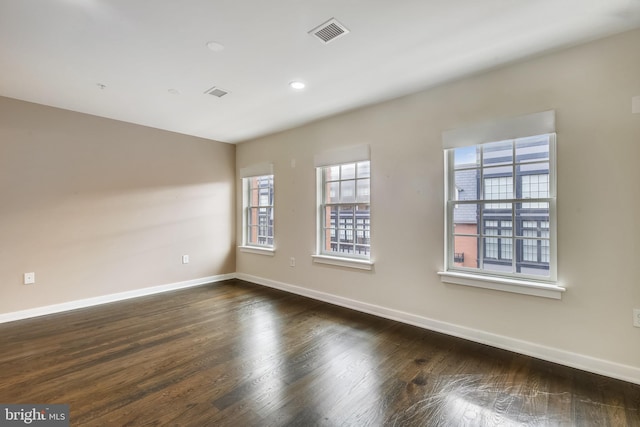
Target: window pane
{"points": [[530, 257], [331, 173], [331, 216], [348, 191], [253, 235], [465, 250], [466, 184], [491, 247], [362, 250], [364, 170], [333, 192], [534, 182], [363, 190], [466, 218], [497, 153], [254, 197], [466, 157], [502, 266], [534, 148], [530, 222], [348, 171]]}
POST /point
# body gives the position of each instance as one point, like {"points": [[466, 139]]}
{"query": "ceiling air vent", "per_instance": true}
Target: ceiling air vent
{"points": [[216, 91], [329, 31]]}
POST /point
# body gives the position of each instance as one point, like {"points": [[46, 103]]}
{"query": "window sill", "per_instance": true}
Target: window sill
{"points": [[525, 287], [257, 250], [343, 262]]}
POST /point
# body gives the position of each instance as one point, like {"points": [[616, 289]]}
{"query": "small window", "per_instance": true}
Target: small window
{"points": [[258, 211], [345, 214]]}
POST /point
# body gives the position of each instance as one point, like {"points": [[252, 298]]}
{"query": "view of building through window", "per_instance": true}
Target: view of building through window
{"points": [[259, 211], [510, 235], [346, 213]]}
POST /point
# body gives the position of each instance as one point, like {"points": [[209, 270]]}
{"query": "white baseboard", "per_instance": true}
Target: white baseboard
{"points": [[88, 302], [562, 357]]}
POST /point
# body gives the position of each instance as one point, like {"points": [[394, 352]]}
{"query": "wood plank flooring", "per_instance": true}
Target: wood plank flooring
{"points": [[238, 354]]}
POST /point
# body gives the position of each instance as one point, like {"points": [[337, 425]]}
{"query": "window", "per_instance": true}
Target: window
{"points": [[258, 211], [501, 235], [343, 219], [345, 210]]}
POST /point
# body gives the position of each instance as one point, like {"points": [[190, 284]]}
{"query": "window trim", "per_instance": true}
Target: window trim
{"points": [[535, 124]]}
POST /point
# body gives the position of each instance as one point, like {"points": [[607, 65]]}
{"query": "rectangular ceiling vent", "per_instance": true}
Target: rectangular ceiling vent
{"points": [[329, 31], [216, 91]]}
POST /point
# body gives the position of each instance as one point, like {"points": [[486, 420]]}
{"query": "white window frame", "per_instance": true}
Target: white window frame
{"points": [[509, 129], [340, 157], [247, 175]]}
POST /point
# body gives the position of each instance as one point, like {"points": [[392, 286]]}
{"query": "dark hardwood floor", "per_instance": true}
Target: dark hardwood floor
{"points": [[238, 354]]}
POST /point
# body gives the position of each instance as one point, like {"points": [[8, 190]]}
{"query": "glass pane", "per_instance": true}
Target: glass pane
{"points": [[534, 181], [333, 192], [348, 191], [466, 157], [490, 248], [253, 235], [330, 240], [533, 258], [331, 173], [502, 266], [466, 218], [364, 170], [254, 197], [494, 248], [264, 196], [506, 249], [363, 190], [498, 183], [490, 227], [362, 225], [466, 184], [533, 148], [497, 153], [348, 171], [465, 251], [331, 217], [362, 250], [532, 221]]}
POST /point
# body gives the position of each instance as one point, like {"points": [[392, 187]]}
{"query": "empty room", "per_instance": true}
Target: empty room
{"points": [[336, 213]]}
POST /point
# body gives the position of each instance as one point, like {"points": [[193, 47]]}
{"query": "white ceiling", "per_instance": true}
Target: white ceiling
{"points": [[59, 52]]}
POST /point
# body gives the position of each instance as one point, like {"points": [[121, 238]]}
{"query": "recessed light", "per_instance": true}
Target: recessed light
{"points": [[297, 85], [215, 46], [101, 86], [174, 92]]}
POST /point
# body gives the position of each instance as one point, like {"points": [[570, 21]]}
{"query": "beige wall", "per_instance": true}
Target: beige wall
{"points": [[590, 87], [96, 207]]}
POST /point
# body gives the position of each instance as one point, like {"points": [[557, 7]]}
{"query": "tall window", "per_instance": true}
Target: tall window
{"points": [[345, 213], [258, 215], [502, 225]]}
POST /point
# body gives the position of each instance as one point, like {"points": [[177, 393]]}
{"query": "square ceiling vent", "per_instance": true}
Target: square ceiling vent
{"points": [[329, 31], [216, 91]]}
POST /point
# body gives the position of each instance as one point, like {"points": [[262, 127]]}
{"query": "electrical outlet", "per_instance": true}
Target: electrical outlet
{"points": [[29, 278], [185, 259], [292, 262], [636, 317]]}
